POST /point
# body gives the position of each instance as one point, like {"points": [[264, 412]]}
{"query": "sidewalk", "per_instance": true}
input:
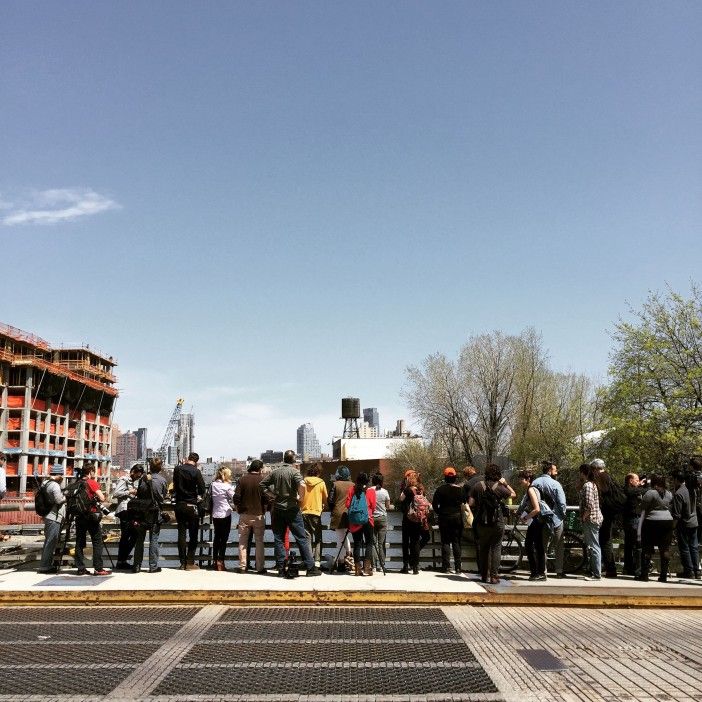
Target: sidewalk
{"points": [[204, 587]]}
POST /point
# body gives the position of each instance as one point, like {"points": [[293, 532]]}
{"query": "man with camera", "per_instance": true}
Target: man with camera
{"points": [[89, 523], [53, 520], [125, 489]]}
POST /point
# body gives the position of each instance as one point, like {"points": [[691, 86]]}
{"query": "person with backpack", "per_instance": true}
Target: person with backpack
{"points": [[361, 504], [486, 500], [612, 504], [159, 491], [144, 512], [446, 503], [415, 520], [656, 527], [553, 495], [126, 488], [50, 504], [85, 506], [537, 515]]}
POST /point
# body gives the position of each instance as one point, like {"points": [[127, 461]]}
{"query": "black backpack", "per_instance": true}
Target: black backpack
{"points": [[143, 505], [490, 507], [613, 497], [78, 504], [42, 501]]}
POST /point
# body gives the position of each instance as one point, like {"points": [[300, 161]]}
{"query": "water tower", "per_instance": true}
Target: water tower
{"points": [[350, 413]]}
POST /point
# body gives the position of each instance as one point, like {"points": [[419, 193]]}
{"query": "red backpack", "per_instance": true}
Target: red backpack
{"points": [[419, 509]]}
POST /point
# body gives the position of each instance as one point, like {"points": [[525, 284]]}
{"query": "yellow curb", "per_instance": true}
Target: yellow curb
{"points": [[322, 597]]}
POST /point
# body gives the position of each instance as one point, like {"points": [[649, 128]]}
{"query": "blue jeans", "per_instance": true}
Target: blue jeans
{"points": [[688, 547], [52, 531], [591, 533], [290, 519]]}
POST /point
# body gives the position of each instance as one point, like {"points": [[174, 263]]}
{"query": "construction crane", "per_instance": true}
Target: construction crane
{"points": [[171, 430]]}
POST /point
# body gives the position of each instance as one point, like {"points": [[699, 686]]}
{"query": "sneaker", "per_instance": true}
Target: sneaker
{"points": [[540, 579], [101, 572], [313, 572], [154, 570], [593, 577], [82, 571]]}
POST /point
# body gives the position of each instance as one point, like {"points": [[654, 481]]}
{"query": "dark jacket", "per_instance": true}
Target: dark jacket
{"points": [[247, 496], [188, 483]]}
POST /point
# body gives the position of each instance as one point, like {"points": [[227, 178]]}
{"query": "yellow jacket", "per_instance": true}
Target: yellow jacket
{"points": [[315, 496]]}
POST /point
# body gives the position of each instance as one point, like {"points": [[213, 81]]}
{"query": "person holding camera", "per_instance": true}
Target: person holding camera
{"points": [[189, 489], [89, 523], [53, 520], [125, 489], [145, 511]]}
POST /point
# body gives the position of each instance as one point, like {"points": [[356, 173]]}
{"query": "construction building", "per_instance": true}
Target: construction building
{"points": [[56, 407]]}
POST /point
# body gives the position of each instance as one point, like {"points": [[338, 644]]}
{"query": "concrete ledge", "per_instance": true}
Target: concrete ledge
{"points": [[174, 587]]}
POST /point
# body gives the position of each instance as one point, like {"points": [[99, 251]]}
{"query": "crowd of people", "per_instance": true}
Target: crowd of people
{"points": [[649, 512]]}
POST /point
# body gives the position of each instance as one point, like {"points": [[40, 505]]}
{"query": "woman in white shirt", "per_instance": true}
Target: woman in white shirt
{"points": [[222, 494]]}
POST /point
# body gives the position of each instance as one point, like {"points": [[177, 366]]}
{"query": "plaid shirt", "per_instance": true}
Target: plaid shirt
{"points": [[590, 504]]}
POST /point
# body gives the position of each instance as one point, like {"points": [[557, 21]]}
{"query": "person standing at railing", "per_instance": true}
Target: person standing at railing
{"points": [[125, 489], [486, 499], [591, 517], [380, 520], [446, 503], [312, 505], [251, 506], [656, 527], [339, 518], [189, 489], [632, 509], [222, 492], [537, 515], [553, 495], [53, 521]]}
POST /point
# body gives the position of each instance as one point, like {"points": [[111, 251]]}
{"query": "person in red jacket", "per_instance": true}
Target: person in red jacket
{"points": [[361, 504]]}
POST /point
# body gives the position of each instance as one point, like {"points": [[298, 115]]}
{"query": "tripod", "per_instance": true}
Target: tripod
{"points": [[61, 549], [381, 560]]}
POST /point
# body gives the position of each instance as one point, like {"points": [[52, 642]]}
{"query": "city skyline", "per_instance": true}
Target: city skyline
{"points": [[265, 208]]}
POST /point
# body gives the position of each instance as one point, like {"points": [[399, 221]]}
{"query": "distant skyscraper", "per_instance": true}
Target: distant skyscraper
{"points": [[125, 451], [184, 439], [370, 415], [141, 443], [307, 444]]}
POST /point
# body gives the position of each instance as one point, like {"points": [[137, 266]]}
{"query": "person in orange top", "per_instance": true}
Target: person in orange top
{"points": [[361, 503]]}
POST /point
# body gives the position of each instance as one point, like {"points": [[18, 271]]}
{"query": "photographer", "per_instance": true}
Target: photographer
{"points": [[53, 521], [145, 515], [634, 489], [89, 523], [126, 488]]}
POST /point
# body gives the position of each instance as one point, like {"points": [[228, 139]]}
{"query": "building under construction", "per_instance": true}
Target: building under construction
{"points": [[56, 407]]}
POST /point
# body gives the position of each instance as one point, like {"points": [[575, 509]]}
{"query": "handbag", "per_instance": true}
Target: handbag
{"points": [[206, 503], [467, 514]]}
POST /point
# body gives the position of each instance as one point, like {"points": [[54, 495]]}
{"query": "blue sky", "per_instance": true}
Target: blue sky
{"points": [[263, 207]]}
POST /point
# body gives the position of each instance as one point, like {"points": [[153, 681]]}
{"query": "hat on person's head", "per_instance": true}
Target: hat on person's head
{"points": [[449, 472], [56, 469], [343, 473]]}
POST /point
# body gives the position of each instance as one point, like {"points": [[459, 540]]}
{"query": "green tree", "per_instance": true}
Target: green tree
{"points": [[654, 402]]}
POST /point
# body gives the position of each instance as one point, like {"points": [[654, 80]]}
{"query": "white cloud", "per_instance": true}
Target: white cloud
{"points": [[56, 205]]}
